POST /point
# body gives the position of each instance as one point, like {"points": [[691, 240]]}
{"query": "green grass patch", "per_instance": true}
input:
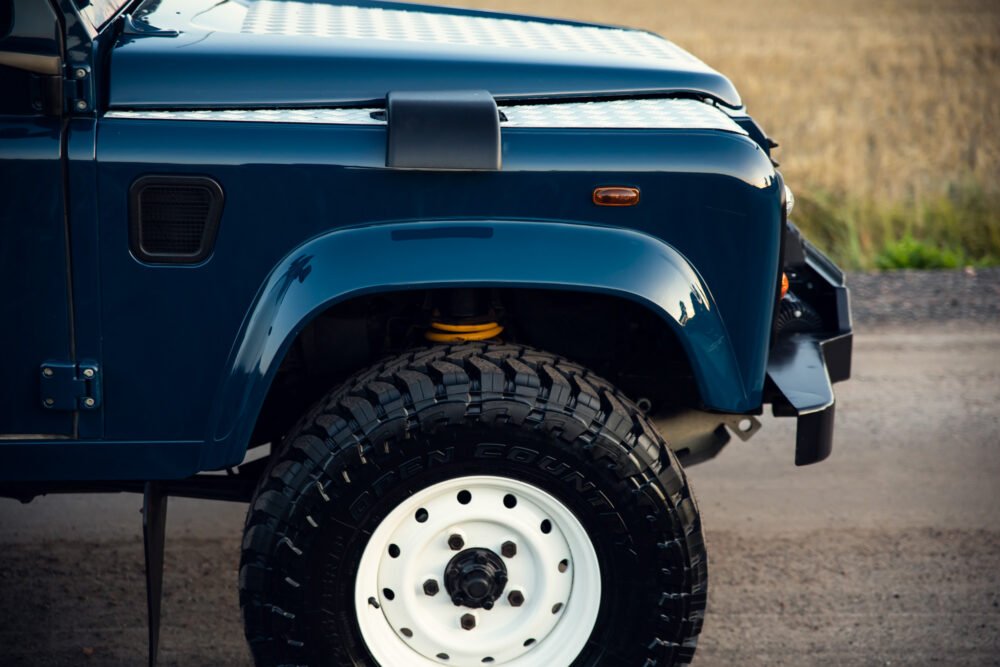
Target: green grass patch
{"points": [[959, 227], [909, 253]]}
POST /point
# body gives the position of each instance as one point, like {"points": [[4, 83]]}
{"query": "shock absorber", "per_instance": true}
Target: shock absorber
{"points": [[466, 320]]}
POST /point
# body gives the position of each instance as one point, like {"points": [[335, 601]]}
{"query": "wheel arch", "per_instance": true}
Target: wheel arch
{"points": [[346, 264]]}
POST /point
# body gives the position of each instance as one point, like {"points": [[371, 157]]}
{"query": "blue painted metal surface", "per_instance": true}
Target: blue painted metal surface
{"points": [[286, 183], [187, 59], [61, 460], [312, 217], [34, 285]]}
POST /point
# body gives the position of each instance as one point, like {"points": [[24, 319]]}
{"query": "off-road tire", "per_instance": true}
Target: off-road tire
{"points": [[472, 409]]}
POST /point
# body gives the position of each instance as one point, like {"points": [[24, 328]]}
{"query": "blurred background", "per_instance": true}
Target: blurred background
{"points": [[887, 111]]}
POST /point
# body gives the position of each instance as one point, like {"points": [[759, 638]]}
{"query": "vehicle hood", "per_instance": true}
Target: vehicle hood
{"points": [[288, 53]]}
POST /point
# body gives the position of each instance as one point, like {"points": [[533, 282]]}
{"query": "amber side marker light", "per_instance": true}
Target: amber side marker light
{"points": [[616, 196], [784, 285]]}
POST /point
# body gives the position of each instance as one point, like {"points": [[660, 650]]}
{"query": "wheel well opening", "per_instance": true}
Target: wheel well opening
{"points": [[621, 340]]}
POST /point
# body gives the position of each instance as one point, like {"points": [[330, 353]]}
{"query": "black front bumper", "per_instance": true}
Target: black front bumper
{"points": [[803, 366]]}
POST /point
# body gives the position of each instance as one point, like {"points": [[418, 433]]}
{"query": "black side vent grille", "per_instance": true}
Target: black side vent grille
{"points": [[174, 219]]}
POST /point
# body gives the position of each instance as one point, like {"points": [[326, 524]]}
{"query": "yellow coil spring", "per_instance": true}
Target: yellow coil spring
{"points": [[441, 332]]}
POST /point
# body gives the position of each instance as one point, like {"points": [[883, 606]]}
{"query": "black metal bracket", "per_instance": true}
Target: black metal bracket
{"points": [[154, 523]]}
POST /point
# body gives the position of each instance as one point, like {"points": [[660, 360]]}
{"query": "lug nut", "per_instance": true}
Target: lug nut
{"points": [[515, 598], [431, 587], [508, 549], [455, 542], [468, 621]]}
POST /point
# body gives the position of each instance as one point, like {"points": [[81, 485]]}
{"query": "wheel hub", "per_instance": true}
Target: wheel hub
{"points": [[474, 570], [475, 578]]}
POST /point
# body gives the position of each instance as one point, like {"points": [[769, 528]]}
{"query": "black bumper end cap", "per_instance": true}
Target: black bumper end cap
{"points": [[814, 437], [799, 381]]}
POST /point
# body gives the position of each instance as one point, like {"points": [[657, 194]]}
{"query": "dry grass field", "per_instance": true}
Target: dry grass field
{"points": [[888, 111]]}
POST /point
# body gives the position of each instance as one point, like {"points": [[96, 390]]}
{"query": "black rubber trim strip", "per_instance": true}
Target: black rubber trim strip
{"points": [[782, 227]]}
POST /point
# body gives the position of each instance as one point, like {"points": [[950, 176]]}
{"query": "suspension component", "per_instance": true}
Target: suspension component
{"points": [[444, 332]]}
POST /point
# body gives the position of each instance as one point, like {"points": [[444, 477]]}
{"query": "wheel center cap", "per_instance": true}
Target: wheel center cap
{"points": [[475, 578]]}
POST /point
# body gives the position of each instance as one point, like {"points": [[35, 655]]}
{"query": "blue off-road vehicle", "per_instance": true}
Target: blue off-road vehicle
{"points": [[449, 297]]}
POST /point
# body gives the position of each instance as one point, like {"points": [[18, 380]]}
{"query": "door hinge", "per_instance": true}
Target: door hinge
{"points": [[69, 386], [78, 88]]}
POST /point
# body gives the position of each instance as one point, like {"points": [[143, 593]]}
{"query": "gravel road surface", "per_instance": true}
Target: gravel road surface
{"points": [[888, 553]]}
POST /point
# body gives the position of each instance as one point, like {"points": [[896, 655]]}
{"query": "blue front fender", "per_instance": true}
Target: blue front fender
{"points": [[419, 255]]}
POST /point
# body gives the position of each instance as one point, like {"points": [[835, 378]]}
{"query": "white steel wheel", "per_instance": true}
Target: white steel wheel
{"points": [[478, 570]]}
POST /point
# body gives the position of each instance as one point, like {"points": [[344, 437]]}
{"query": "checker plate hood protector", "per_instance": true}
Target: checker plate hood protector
{"points": [[294, 53]]}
